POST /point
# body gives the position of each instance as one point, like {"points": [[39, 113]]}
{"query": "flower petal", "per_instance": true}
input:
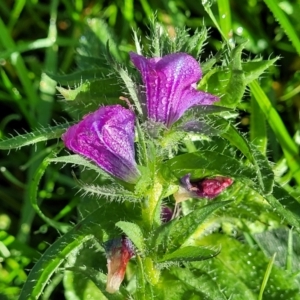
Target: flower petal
{"points": [[170, 85], [106, 137]]}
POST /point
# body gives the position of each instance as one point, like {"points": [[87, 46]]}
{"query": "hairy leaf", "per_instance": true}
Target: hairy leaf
{"points": [[239, 271], [190, 253], [135, 234], [34, 137]]}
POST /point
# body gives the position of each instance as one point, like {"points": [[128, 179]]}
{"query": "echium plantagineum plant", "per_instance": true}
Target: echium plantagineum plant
{"points": [[176, 202]]}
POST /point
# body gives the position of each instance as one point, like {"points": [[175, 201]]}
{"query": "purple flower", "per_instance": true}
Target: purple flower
{"points": [[118, 253], [170, 83], [106, 136], [166, 214], [204, 188]]}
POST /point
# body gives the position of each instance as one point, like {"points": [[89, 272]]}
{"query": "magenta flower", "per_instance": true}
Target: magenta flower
{"points": [[170, 83], [204, 188], [106, 136], [118, 253]]}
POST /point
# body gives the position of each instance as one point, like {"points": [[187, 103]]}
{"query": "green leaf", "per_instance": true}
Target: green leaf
{"points": [[264, 172], [200, 110], [201, 282], [88, 96], [206, 6], [129, 84], [70, 94], [137, 42], [279, 239], [289, 147], [56, 254], [171, 288], [34, 137], [33, 194], [78, 77], [230, 82], [258, 128], [104, 89], [110, 192], [135, 234], [239, 271], [266, 277], [254, 69], [190, 253], [286, 205], [207, 65], [98, 223], [236, 86], [284, 22], [195, 42], [215, 80], [52, 286], [79, 160], [208, 163], [83, 277], [225, 17], [99, 280], [103, 33], [180, 230]]}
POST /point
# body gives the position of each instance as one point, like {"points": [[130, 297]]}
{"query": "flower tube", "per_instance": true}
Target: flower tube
{"points": [[170, 83], [106, 136]]}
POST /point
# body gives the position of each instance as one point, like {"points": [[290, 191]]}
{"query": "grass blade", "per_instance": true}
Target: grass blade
{"points": [[17, 60], [289, 147], [225, 17], [284, 23], [258, 130], [289, 258], [206, 5], [266, 277]]}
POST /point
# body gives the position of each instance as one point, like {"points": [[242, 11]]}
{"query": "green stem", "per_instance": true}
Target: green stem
{"points": [[140, 279], [149, 206], [206, 5], [142, 143]]}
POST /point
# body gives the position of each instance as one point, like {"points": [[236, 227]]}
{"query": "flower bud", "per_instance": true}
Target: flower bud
{"points": [[166, 214], [118, 253], [106, 136], [203, 188]]}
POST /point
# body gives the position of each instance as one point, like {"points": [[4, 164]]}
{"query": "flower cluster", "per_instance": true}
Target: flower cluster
{"points": [[106, 136]]}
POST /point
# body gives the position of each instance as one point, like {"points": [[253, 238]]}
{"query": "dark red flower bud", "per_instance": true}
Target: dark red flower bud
{"points": [[203, 188]]}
